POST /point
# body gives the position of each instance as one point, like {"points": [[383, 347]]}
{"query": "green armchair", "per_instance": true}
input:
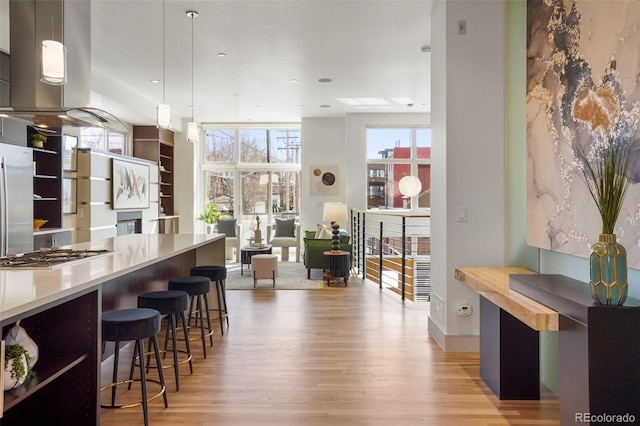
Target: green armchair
{"points": [[313, 250]]}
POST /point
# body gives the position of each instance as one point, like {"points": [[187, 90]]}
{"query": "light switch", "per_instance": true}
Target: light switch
{"points": [[462, 214]]}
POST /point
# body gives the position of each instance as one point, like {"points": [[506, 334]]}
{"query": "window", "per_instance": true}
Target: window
{"points": [[102, 139], [252, 171], [393, 153]]}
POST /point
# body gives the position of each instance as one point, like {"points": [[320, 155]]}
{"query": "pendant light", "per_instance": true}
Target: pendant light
{"points": [[54, 61], [193, 133], [164, 110]]}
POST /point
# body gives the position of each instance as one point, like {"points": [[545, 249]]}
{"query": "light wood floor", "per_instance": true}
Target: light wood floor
{"points": [[351, 356]]}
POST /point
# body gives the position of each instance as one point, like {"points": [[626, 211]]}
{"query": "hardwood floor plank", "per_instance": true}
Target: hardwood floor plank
{"points": [[345, 356]]}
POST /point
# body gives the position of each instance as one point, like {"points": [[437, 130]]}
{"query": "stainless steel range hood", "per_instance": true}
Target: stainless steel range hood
{"points": [[68, 21]]}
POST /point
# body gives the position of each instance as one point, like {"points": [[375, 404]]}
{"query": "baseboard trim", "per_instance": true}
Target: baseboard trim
{"points": [[450, 343]]}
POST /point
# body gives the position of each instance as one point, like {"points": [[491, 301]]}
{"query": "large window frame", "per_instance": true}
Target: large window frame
{"points": [[265, 172], [380, 171]]}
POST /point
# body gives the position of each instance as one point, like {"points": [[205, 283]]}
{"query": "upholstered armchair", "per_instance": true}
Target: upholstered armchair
{"points": [[233, 237], [314, 249], [285, 233]]}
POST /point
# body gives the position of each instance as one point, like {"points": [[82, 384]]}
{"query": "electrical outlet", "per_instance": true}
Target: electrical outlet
{"points": [[464, 309]]}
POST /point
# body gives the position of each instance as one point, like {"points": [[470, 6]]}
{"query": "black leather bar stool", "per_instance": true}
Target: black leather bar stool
{"points": [[173, 304], [217, 275], [134, 324], [197, 288]]}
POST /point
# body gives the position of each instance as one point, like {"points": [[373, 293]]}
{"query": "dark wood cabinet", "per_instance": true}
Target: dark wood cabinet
{"points": [[67, 336], [47, 181], [155, 144]]}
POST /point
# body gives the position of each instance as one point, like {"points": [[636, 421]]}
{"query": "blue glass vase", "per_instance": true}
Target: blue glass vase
{"points": [[608, 271]]}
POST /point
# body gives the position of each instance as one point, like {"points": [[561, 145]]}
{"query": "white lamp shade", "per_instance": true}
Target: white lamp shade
{"points": [[193, 132], [335, 212], [410, 186], [54, 62], [164, 116]]}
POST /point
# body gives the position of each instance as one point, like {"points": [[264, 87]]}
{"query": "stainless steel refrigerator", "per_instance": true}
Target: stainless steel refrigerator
{"points": [[16, 199]]}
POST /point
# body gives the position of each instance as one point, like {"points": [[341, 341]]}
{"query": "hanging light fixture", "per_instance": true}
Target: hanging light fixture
{"points": [[164, 110], [193, 133], [54, 61]]}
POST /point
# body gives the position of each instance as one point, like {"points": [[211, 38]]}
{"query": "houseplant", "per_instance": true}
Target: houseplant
{"points": [[605, 171], [16, 366], [38, 140], [210, 215]]}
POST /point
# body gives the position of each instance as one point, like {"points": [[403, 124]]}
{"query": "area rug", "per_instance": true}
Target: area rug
{"points": [[291, 276]]}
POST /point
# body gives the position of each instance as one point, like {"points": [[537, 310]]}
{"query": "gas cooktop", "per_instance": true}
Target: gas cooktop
{"points": [[47, 258]]}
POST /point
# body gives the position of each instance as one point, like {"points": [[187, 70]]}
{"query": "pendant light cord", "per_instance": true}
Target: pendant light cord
{"points": [[164, 72], [192, 104]]}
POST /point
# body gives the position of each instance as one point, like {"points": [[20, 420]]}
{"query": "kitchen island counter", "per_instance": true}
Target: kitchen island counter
{"points": [[24, 290], [60, 308]]}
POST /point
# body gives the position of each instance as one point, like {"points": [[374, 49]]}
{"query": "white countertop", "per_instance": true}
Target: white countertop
{"points": [[43, 231], [24, 290]]}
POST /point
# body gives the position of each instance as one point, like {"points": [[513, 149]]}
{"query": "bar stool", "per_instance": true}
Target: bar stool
{"points": [[173, 304], [197, 288], [217, 275], [134, 324]]}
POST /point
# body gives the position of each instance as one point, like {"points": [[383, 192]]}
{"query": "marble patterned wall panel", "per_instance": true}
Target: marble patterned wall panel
{"points": [[583, 86]]}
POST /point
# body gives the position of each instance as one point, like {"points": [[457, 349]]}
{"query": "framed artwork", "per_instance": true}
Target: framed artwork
{"points": [[69, 195], [581, 90], [129, 185], [69, 145], [324, 180]]}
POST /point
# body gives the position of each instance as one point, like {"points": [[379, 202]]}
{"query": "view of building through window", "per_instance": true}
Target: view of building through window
{"points": [[253, 172], [393, 153]]}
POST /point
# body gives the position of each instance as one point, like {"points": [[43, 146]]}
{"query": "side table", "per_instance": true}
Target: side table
{"points": [[247, 251], [339, 265]]}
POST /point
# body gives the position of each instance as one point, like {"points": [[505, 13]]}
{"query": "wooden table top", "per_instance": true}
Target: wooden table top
{"points": [[493, 284]]}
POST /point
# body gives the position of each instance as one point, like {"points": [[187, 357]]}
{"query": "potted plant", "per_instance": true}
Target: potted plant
{"points": [[210, 215], [38, 140], [605, 171], [16, 366]]}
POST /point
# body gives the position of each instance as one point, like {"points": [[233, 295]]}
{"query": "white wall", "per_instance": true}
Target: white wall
{"points": [[468, 159], [4, 25], [186, 193], [323, 144]]}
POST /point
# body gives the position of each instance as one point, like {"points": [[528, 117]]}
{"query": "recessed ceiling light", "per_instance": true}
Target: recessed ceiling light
{"points": [[44, 126], [222, 54], [154, 81], [293, 80], [324, 80], [325, 106], [425, 49]]}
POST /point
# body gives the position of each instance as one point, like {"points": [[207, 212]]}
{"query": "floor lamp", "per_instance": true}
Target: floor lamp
{"points": [[335, 212]]}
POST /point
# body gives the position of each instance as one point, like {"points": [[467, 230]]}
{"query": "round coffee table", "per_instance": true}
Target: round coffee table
{"points": [[247, 251]]}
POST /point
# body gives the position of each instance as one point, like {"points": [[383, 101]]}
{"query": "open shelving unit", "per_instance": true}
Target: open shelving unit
{"points": [[155, 144], [67, 339], [47, 181]]}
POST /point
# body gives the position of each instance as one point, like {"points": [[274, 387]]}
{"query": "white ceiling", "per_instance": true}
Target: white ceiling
{"points": [[370, 49]]}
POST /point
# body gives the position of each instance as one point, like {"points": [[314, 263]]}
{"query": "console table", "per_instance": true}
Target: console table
{"points": [[599, 346], [509, 325]]}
